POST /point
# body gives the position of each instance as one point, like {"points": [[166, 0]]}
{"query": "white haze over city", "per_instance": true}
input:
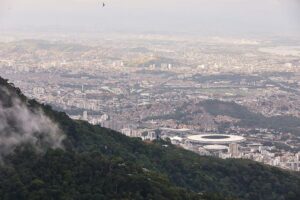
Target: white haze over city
{"points": [[218, 17]]}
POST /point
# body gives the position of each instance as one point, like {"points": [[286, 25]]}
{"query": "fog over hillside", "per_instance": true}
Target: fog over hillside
{"points": [[19, 125]]}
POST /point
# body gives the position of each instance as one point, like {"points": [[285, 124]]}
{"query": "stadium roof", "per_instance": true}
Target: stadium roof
{"points": [[216, 138]]}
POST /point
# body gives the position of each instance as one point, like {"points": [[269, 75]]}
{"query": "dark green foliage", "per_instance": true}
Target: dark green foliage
{"points": [[251, 119], [236, 78], [63, 175], [98, 163]]}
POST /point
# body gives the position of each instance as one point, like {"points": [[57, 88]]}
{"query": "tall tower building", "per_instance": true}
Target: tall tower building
{"points": [[85, 116], [234, 150]]}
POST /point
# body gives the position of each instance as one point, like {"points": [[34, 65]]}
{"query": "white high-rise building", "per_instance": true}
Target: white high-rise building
{"points": [[234, 150], [85, 116]]}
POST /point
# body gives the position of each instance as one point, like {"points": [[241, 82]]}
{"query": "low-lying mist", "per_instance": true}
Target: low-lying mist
{"points": [[20, 125]]}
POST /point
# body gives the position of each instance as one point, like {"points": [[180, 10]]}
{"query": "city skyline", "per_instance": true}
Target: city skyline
{"points": [[136, 99]]}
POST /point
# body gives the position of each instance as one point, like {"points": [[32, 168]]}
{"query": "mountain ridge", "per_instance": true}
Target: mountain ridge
{"points": [[178, 173]]}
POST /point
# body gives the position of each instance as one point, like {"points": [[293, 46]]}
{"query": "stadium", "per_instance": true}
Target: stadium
{"points": [[220, 139]]}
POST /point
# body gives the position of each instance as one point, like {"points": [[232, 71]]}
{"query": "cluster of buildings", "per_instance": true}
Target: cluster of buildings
{"points": [[140, 86], [233, 146]]}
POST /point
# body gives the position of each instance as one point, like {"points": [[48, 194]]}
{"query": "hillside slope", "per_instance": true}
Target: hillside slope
{"points": [[95, 163]]}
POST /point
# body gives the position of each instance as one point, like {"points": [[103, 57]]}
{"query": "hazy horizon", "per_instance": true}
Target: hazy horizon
{"points": [[203, 17]]}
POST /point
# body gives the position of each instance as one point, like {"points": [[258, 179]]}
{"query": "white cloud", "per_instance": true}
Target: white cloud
{"points": [[19, 125]]}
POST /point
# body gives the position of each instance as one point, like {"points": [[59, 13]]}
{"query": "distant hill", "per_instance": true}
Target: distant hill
{"points": [[251, 119], [75, 160], [30, 46], [158, 62]]}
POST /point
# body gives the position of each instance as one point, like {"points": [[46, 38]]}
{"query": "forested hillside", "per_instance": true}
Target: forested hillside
{"points": [[75, 160]]}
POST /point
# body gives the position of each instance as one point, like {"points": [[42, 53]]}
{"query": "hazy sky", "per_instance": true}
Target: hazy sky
{"points": [[190, 16]]}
